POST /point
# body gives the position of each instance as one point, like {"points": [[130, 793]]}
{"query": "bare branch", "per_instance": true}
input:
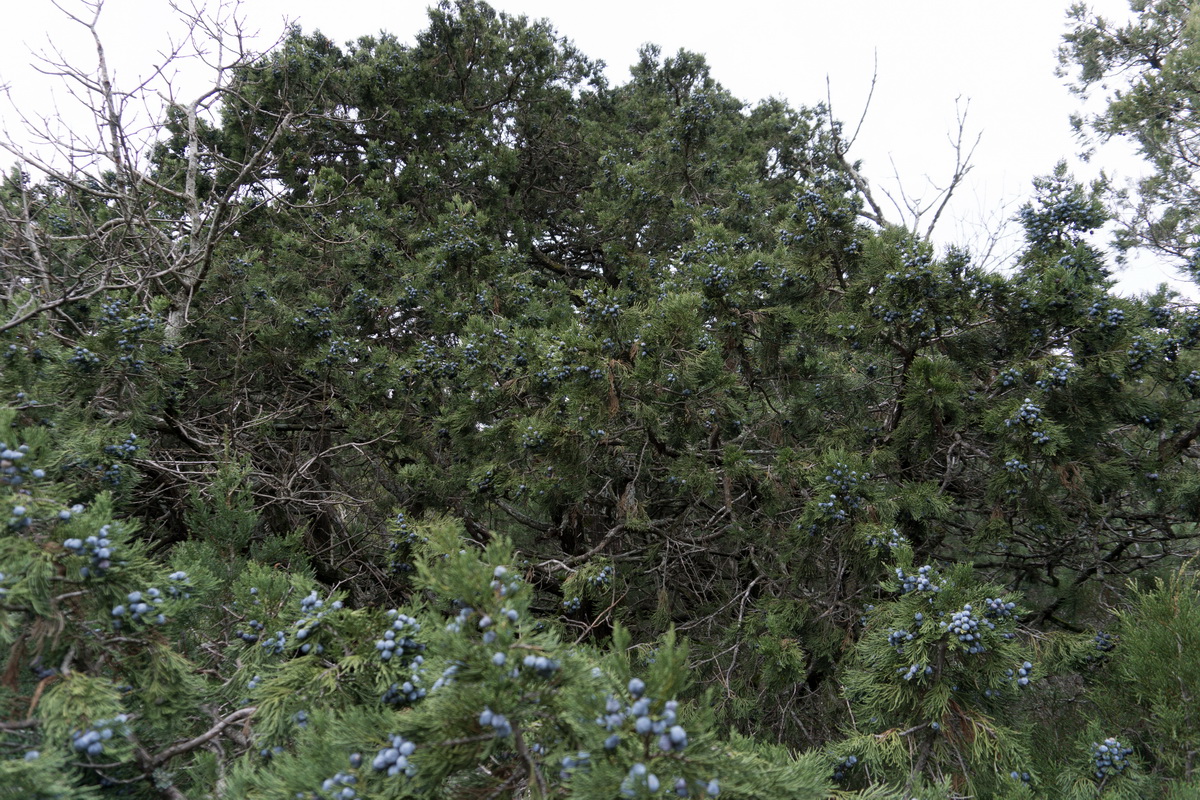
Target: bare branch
{"points": [[167, 223], [962, 164], [841, 149], [191, 744], [915, 209]]}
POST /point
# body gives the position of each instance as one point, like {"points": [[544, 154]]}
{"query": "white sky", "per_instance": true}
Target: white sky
{"points": [[930, 53]]}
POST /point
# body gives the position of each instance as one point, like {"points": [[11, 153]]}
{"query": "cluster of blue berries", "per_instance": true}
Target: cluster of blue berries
{"points": [[111, 311], [112, 475], [1057, 375], [719, 279], [90, 741], [84, 359], [1112, 319], [599, 309], [841, 770], [671, 736], [532, 439], [142, 606], [846, 498], [19, 517], [251, 636], [1105, 641], [460, 620], [810, 198], [894, 540], [98, 547], [966, 626], [1192, 381], [394, 759], [1016, 466], [504, 583], [995, 608], [447, 677], [497, 722], [179, 586], [639, 776], [340, 787], [1159, 316], [402, 536], [1021, 675], [307, 626], [398, 639], [317, 321], [542, 665], [1029, 414], [129, 340], [602, 579], [898, 638], [12, 472], [914, 670], [275, 644], [922, 581], [552, 374], [431, 362], [267, 753], [1139, 354], [407, 692], [1058, 213], [572, 604], [580, 760], [313, 602], [339, 351], [1110, 757], [259, 293]]}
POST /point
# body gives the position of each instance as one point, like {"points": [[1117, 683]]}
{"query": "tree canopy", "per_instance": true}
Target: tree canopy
{"points": [[444, 420]]}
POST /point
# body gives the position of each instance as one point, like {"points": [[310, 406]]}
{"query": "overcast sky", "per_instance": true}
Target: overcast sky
{"points": [[933, 57]]}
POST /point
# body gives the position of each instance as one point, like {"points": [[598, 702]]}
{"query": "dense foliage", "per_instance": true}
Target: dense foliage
{"points": [[441, 420]]}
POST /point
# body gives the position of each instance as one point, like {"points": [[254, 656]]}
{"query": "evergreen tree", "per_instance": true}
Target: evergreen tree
{"points": [[498, 431]]}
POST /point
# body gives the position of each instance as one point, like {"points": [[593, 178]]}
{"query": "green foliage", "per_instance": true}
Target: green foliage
{"points": [[314, 679], [935, 677], [1151, 674], [1147, 69], [527, 418]]}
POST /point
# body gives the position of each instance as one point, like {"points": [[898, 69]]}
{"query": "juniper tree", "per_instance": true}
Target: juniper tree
{"points": [[644, 347]]}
